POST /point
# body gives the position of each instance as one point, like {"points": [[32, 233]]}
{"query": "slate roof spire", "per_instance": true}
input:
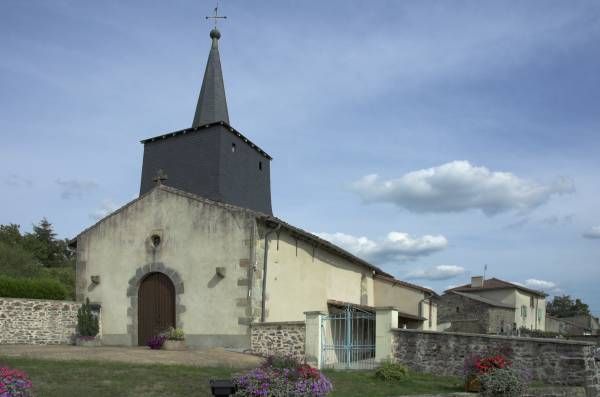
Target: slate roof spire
{"points": [[212, 105]]}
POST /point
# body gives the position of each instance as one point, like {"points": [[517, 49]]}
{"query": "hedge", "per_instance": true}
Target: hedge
{"points": [[38, 288]]}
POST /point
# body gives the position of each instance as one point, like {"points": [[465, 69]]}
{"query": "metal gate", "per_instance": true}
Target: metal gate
{"points": [[348, 339]]}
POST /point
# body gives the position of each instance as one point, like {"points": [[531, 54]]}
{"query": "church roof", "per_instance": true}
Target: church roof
{"points": [[200, 128], [212, 104], [301, 234]]}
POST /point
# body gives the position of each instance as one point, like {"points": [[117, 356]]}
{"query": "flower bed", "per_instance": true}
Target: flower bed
{"points": [[283, 376], [493, 375], [14, 383]]}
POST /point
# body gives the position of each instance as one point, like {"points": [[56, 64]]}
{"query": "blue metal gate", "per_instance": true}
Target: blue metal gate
{"points": [[348, 339]]}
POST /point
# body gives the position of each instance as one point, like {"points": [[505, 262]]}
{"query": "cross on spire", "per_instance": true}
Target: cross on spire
{"points": [[160, 177], [216, 17]]}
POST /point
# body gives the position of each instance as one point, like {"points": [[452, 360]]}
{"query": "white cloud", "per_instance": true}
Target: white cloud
{"points": [[593, 233], [396, 246], [542, 285], [459, 186], [442, 272], [105, 208], [75, 188]]}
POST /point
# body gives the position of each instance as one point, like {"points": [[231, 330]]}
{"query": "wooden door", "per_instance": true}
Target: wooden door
{"points": [[156, 306]]}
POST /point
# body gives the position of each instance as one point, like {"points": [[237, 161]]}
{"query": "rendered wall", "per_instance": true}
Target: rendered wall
{"points": [[301, 279], [196, 238], [405, 299]]}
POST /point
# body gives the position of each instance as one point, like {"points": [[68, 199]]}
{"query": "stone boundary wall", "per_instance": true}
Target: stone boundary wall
{"points": [[285, 338], [586, 338], [37, 321], [551, 361]]}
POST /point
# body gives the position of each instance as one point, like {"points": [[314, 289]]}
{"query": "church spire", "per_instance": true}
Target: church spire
{"points": [[212, 105]]}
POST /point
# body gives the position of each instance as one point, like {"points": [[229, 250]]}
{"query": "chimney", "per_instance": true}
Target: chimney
{"points": [[477, 282]]}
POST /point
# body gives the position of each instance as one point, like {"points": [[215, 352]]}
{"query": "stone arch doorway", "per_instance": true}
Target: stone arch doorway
{"points": [[156, 306]]}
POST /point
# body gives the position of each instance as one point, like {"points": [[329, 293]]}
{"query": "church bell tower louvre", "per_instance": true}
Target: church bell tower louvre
{"points": [[211, 159]]}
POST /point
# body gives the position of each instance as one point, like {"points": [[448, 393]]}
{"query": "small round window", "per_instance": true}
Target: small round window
{"points": [[155, 238]]}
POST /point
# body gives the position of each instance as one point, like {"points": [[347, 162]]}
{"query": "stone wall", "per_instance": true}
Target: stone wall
{"points": [[472, 316], [278, 338], [551, 361], [36, 321]]}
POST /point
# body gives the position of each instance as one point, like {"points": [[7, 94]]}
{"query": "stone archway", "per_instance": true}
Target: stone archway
{"points": [[133, 291]]}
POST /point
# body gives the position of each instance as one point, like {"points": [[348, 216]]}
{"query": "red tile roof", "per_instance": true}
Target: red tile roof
{"points": [[494, 283]]}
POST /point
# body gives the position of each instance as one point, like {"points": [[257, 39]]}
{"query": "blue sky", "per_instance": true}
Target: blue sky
{"points": [[431, 138]]}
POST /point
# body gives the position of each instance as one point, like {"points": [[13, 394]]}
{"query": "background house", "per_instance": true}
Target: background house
{"points": [[584, 324], [491, 306]]}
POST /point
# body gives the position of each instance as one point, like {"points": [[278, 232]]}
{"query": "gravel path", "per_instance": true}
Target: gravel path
{"points": [[139, 355]]}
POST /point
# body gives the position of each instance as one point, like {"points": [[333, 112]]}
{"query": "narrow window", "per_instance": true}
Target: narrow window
{"points": [[260, 165], [531, 301], [457, 309], [233, 148]]}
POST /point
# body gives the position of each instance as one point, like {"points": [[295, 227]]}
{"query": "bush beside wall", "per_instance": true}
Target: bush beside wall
{"points": [[31, 288]]}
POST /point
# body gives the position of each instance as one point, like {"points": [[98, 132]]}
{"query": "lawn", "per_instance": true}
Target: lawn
{"points": [[95, 379]]}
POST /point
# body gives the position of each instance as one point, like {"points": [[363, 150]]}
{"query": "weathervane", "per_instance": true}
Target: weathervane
{"points": [[216, 17]]}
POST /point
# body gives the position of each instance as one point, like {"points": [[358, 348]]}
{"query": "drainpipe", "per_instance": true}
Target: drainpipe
{"points": [[264, 283]]}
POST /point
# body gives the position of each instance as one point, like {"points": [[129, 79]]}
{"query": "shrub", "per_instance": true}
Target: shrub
{"points": [[31, 288], [87, 322], [282, 361], [283, 376], [156, 342], [390, 371], [175, 334], [14, 383], [502, 381], [536, 333]]}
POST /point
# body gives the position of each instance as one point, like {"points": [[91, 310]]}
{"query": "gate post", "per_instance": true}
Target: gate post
{"points": [[312, 341], [386, 319]]}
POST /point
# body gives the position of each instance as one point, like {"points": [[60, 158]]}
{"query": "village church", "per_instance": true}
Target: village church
{"points": [[200, 249]]}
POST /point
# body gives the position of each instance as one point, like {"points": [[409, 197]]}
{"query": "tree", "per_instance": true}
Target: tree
{"points": [[42, 243], [38, 254], [565, 306], [15, 259]]}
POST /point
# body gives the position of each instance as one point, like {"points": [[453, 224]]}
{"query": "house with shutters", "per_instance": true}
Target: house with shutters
{"points": [[201, 250], [491, 306]]}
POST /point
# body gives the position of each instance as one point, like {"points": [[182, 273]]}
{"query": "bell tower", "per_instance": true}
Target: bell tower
{"points": [[211, 159]]}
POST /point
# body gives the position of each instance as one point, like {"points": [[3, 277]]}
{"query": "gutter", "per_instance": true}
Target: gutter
{"points": [[264, 282]]}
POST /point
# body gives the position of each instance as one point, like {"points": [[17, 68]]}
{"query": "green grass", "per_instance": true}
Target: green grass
{"points": [[95, 379], [364, 383]]}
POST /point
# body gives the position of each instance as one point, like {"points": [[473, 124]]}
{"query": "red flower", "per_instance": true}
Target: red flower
{"points": [[487, 364]]}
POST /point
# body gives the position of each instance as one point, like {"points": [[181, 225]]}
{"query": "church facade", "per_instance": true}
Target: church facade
{"points": [[200, 250]]}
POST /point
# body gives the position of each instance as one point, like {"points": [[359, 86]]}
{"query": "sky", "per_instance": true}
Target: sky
{"points": [[430, 138]]}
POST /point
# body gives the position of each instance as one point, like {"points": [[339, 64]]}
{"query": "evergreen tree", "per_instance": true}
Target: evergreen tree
{"points": [[565, 306], [42, 243]]}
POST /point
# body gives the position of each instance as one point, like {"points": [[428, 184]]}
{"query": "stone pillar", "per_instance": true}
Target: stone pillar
{"points": [[386, 319], [312, 344]]}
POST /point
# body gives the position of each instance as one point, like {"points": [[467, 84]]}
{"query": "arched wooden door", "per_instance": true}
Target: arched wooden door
{"points": [[156, 306]]}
